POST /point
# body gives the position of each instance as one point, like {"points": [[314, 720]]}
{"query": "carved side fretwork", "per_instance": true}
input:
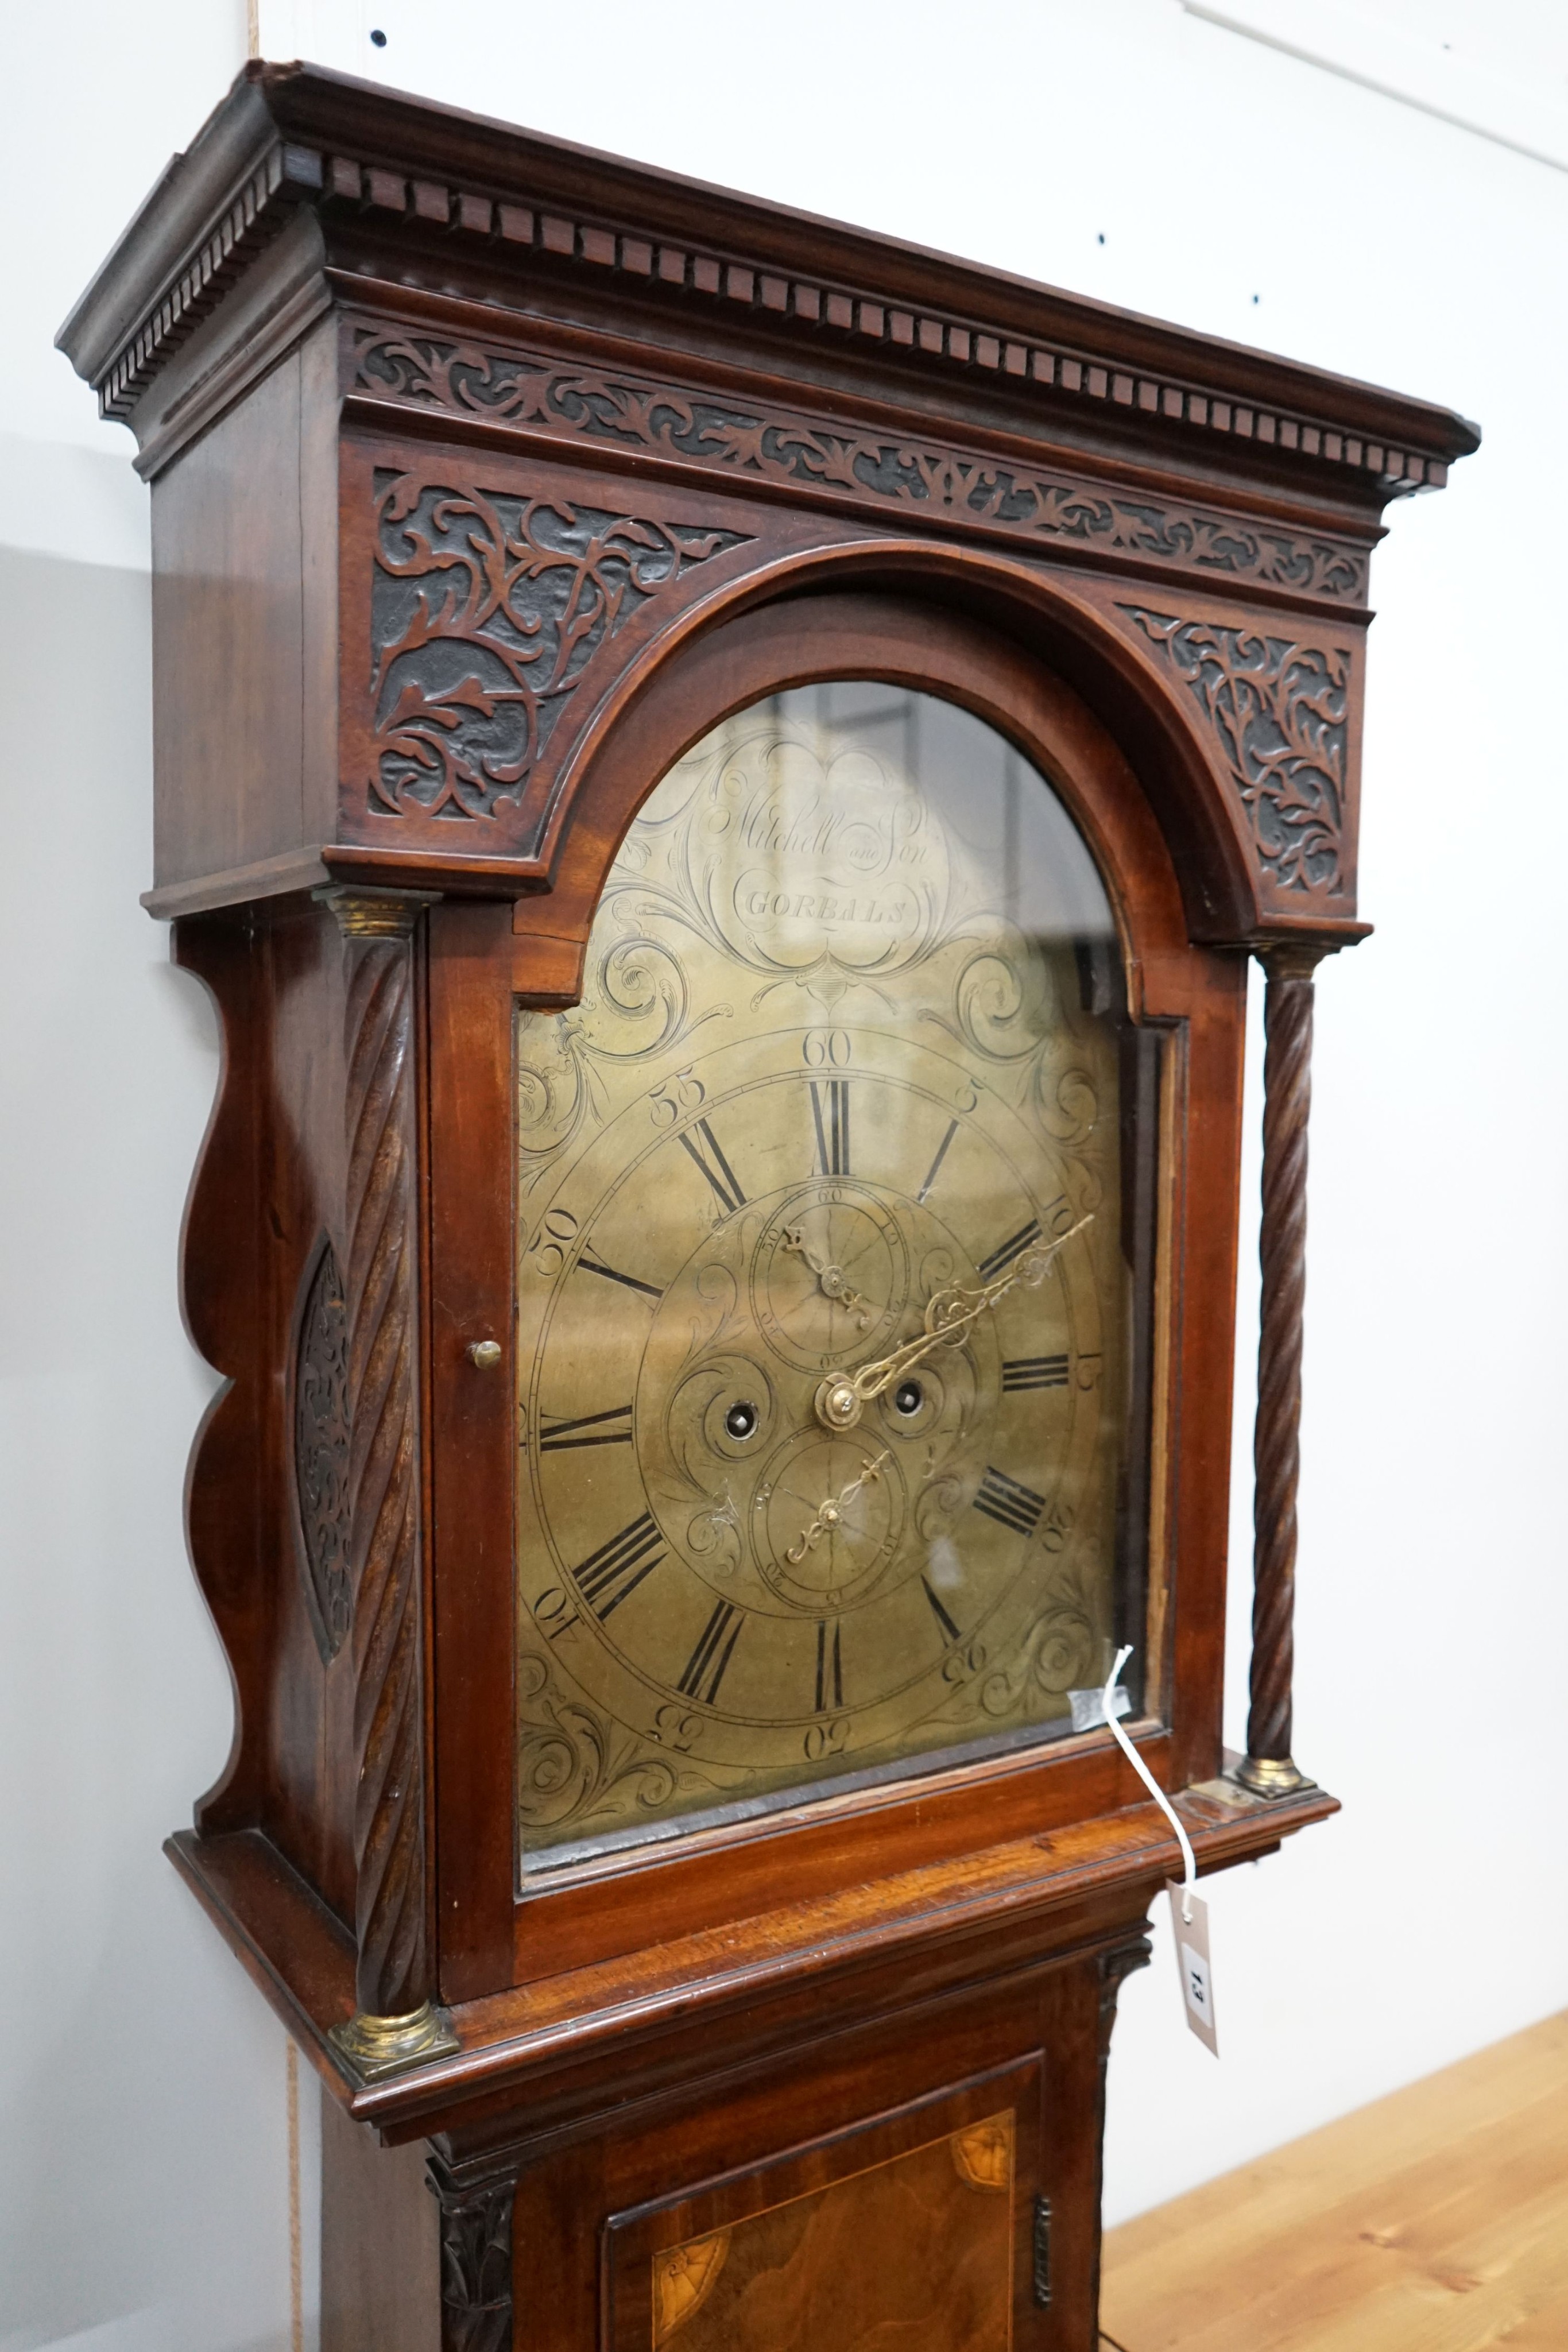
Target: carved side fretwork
{"points": [[321, 1449], [487, 608], [475, 2204], [1114, 1967], [1278, 709], [393, 1975]]}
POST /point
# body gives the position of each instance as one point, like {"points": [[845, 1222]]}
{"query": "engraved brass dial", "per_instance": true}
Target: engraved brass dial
{"points": [[822, 1096]]}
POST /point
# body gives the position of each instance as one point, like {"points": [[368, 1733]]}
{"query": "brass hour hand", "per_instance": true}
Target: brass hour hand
{"points": [[948, 1315], [832, 1513], [830, 1278]]}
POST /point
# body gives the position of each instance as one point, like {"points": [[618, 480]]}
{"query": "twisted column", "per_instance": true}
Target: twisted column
{"points": [[396, 2021], [1276, 1450]]}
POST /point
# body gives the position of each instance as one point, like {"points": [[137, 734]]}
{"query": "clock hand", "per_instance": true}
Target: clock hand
{"points": [[832, 1510], [948, 1314], [830, 1277]]}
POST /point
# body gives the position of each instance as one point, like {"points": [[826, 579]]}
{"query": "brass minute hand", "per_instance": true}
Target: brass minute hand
{"points": [[948, 1314]]}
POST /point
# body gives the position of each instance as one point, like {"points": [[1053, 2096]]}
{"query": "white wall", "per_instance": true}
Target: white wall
{"points": [[1239, 189], [144, 2152]]}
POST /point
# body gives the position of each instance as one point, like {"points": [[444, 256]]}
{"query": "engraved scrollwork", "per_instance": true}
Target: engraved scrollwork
{"points": [[635, 1004], [1278, 710], [571, 1759], [745, 1593], [695, 1440], [486, 610], [321, 1444], [942, 1497], [1067, 1106], [643, 986], [1007, 1009], [771, 859], [528, 390], [552, 1090], [990, 1001], [1060, 1652], [713, 1536]]}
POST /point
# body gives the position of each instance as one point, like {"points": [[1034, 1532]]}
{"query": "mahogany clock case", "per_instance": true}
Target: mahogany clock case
{"points": [[293, 1773], [489, 477]]}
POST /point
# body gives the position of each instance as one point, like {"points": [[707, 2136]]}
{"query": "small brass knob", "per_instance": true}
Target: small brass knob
{"points": [[484, 1354]]}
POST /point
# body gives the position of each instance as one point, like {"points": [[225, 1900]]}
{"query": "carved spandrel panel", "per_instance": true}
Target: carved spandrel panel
{"points": [[844, 1066], [487, 609], [1277, 705]]}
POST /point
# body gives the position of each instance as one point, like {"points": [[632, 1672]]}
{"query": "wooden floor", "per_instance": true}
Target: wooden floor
{"points": [[1436, 2221]]}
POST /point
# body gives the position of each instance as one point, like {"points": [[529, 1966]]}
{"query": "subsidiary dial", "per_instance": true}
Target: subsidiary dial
{"points": [[830, 1274], [827, 1520]]}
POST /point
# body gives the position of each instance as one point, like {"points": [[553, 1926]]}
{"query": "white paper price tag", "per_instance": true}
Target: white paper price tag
{"points": [[1191, 1937]]}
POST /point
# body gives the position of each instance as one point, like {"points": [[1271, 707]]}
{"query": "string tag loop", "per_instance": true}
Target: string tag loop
{"points": [[1189, 1913]]}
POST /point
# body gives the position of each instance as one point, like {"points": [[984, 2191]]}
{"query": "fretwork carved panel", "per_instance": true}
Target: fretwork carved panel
{"points": [[487, 611], [322, 1451], [928, 479], [1279, 709]]}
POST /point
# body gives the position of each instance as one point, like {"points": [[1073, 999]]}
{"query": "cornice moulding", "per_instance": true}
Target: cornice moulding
{"points": [[540, 214]]}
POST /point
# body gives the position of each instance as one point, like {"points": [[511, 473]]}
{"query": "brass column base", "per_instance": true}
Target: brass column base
{"points": [[1273, 1776], [374, 2047]]}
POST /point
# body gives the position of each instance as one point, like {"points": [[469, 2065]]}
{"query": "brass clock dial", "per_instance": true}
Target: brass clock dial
{"points": [[824, 1097]]}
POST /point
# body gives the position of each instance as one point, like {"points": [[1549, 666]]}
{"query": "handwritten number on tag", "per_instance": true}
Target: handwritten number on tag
{"points": [[1191, 1939]]}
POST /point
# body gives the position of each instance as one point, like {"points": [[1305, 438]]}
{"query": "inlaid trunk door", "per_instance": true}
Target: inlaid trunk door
{"points": [[915, 2229]]}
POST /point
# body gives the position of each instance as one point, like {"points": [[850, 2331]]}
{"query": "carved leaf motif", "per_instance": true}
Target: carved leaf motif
{"points": [[475, 2262], [487, 611], [1278, 710], [1114, 1967], [526, 388], [321, 1486]]}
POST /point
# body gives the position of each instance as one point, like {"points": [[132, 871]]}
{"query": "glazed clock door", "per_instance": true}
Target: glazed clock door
{"points": [[830, 1341]]}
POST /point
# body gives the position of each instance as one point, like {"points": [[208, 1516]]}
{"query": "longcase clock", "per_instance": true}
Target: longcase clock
{"points": [[725, 775]]}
